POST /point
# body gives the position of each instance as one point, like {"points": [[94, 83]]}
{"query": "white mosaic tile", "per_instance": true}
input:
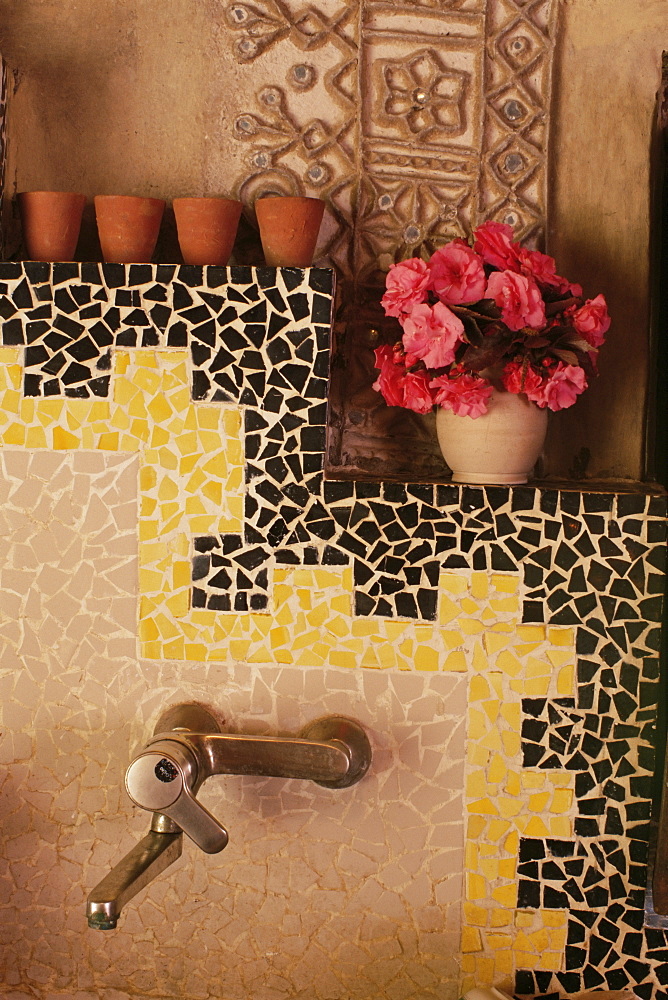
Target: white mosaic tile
{"points": [[320, 893]]}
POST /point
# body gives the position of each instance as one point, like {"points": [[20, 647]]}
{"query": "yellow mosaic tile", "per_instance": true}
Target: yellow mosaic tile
{"points": [[506, 584], [475, 916], [426, 658], [562, 800], [493, 642], [479, 687], [471, 939], [476, 886], [524, 648], [470, 626], [448, 611], [506, 895], [530, 780], [509, 663], [454, 583], [538, 803], [505, 605], [342, 658], [561, 636], [512, 786], [560, 826], [566, 682], [564, 779], [455, 661], [533, 826]]}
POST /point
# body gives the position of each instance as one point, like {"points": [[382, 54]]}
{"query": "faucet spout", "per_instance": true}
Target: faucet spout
{"points": [[149, 858]]}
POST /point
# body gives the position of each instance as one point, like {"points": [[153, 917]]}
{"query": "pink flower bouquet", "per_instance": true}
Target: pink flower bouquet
{"points": [[491, 315]]}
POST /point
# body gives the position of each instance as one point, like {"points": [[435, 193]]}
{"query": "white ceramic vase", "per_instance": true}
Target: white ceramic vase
{"points": [[499, 448]]}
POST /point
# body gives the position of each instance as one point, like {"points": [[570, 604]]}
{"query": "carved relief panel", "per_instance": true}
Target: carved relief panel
{"points": [[415, 121]]}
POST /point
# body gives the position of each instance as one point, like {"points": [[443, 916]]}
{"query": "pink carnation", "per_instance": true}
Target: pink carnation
{"points": [[518, 298], [432, 333], [390, 381], [398, 386], [417, 394], [406, 285], [563, 387], [518, 377], [592, 320], [494, 243], [543, 270], [457, 274], [465, 395]]}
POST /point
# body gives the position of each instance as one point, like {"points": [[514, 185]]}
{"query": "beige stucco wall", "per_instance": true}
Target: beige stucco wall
{"points": [[606, 83], [111, 96]]}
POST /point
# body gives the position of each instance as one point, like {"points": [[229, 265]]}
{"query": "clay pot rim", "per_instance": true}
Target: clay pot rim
{"points": [[127, 198], [70, 194], [206, 197], [288, 197]]}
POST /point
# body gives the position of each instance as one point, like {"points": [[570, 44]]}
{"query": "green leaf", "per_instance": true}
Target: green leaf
{"points": [[488, 354], [579, 343], [568, 357], [474, 334]]}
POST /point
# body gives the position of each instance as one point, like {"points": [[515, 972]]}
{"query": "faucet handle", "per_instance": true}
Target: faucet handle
{"points": [[161, 779]]}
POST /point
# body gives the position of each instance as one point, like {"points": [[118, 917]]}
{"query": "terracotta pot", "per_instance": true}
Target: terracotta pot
{"points": [[289, 229], [500, 447], [207, 228], [128, 227], [51, 223]]}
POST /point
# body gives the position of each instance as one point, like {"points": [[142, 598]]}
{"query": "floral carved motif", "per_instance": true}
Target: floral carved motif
{"points": [[426, 97]]}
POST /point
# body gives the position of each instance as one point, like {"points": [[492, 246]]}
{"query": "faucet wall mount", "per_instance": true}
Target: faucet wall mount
{"points": [[187, 748]]}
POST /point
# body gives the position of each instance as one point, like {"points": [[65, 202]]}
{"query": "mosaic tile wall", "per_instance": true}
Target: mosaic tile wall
{"points": [[536, 611]]}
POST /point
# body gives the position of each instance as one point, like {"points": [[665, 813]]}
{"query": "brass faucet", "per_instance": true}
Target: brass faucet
{"points": [[187, 748]]}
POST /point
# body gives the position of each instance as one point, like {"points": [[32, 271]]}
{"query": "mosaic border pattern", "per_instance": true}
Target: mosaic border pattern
{"points": [[560, 764], [550, 599]]}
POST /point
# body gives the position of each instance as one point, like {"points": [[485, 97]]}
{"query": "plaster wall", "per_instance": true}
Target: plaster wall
{"points": [[600, 183]]}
